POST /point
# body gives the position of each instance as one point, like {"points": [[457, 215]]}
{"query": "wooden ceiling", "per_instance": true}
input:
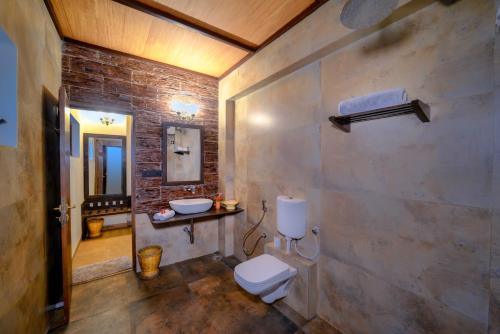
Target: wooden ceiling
{"points": [[205, 36]]}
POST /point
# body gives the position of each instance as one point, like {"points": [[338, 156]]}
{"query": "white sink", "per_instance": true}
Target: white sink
{"points": [[189, 206]]}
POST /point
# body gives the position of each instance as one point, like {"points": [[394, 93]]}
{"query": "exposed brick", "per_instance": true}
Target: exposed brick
{"points": [[148, 156], [70, 49], [65, 63], [145, 92], [211, 157], [105, 101], [112, 82], [148, 143], [148, 182], [94, 67], [146, 166], [89, 81], [116, 86]]}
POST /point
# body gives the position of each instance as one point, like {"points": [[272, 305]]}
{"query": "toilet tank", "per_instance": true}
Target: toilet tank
{"points": [[291, 216]]}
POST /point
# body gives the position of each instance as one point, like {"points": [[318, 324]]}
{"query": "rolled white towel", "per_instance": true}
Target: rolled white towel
{"points": [[386, 98], [167, 214]]}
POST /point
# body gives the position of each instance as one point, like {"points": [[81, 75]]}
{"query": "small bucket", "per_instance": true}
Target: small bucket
{"points": [[149, 260], [95, 227]]}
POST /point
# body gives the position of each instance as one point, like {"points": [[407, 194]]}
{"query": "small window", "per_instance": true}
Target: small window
{"points": [[8, 91]]}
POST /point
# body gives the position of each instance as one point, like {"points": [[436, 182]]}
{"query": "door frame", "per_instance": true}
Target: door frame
{"points": [[132, 164], [64, 208]]}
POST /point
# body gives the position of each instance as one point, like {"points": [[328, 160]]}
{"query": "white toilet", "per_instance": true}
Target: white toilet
{"points": [[265, 275]]}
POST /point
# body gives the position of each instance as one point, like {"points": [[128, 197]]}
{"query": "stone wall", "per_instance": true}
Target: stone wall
{"points": [[405, 208], [98, 79], [494, 323], [23, 278]]}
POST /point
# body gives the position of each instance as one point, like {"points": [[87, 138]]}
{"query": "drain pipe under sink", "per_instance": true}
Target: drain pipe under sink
{"points": [[190, 231]]}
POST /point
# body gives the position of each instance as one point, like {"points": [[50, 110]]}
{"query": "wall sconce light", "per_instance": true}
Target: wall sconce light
{"points": [[185, 110], [107, 121]]}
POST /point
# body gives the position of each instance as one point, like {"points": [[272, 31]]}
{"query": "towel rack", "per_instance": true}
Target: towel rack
{"points": [[416, 107]]}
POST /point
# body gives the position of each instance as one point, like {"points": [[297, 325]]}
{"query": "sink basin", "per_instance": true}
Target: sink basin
{"points": [[189, 206]]}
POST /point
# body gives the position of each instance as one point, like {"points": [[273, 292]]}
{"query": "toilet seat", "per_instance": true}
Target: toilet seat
{"points": [[266, 276], [261, 272]]}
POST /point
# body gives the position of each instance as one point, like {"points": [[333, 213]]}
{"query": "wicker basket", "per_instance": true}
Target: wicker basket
{"points": [[95, 226], [149, 260]]}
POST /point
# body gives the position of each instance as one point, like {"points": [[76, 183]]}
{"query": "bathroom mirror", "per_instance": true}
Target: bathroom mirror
{"points": [[182, 154], [105, 161]]}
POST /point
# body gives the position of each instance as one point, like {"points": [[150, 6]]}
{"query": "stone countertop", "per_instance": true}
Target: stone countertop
{"points": [[180, 219]]}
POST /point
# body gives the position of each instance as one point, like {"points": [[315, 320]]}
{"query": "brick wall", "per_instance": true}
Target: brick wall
{"points": [[106, 81]]}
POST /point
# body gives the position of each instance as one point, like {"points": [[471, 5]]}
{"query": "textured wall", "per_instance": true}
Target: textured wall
{"points": [[404, 207], [22, 195], [175, 242], [112, 82], [494, 323], [284, 156]]}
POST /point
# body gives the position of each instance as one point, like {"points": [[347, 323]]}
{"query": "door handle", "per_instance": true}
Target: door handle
{"points": [[63, 209], [68, 207]]}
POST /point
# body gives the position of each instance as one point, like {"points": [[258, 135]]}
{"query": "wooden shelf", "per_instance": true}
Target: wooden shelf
{"points": [[416, 107], [105, 211], [180, 219]]}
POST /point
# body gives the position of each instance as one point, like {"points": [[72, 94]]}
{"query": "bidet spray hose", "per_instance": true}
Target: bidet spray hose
{"points": [[251, 230]]}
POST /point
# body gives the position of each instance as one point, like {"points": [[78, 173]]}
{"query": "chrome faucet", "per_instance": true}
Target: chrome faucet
{"points": [[192, 189]]}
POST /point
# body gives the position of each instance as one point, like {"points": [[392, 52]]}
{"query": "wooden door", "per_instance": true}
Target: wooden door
{"points": [[64, 207]]}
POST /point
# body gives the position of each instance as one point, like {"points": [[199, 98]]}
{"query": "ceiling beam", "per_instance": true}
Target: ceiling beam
{"points": [[290, 24], [53, 16], [190, 24]]}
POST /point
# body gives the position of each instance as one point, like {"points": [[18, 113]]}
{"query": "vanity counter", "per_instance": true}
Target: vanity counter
{"points": [[180, 219]]}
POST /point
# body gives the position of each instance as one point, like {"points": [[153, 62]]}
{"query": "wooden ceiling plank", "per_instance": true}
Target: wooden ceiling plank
{"points": [[305, 13], [137, 5], [109, 24], [252, 20], [195, 53]]}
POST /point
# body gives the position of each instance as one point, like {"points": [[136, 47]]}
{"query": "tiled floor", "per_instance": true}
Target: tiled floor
{"points": [[111, 245], [194, 296]]}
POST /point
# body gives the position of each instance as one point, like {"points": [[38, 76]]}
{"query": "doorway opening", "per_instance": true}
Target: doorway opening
{"points": [[101, 188]]}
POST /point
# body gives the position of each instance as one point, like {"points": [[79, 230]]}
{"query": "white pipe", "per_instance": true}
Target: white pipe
{"points": [[288, 245], [315, 232]]}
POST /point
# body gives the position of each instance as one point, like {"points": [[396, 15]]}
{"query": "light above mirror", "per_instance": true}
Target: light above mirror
{"points": [[184, 107]]}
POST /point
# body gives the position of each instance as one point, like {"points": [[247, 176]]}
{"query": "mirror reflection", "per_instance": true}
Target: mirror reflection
{"points": [[182, 154], [106, 164]]}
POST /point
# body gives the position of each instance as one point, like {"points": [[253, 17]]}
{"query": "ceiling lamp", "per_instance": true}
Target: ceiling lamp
{"points": [[107, 121]]}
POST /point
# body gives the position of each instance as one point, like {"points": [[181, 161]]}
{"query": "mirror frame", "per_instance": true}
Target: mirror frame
{"points": [[165, 182], [86, 136]]}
